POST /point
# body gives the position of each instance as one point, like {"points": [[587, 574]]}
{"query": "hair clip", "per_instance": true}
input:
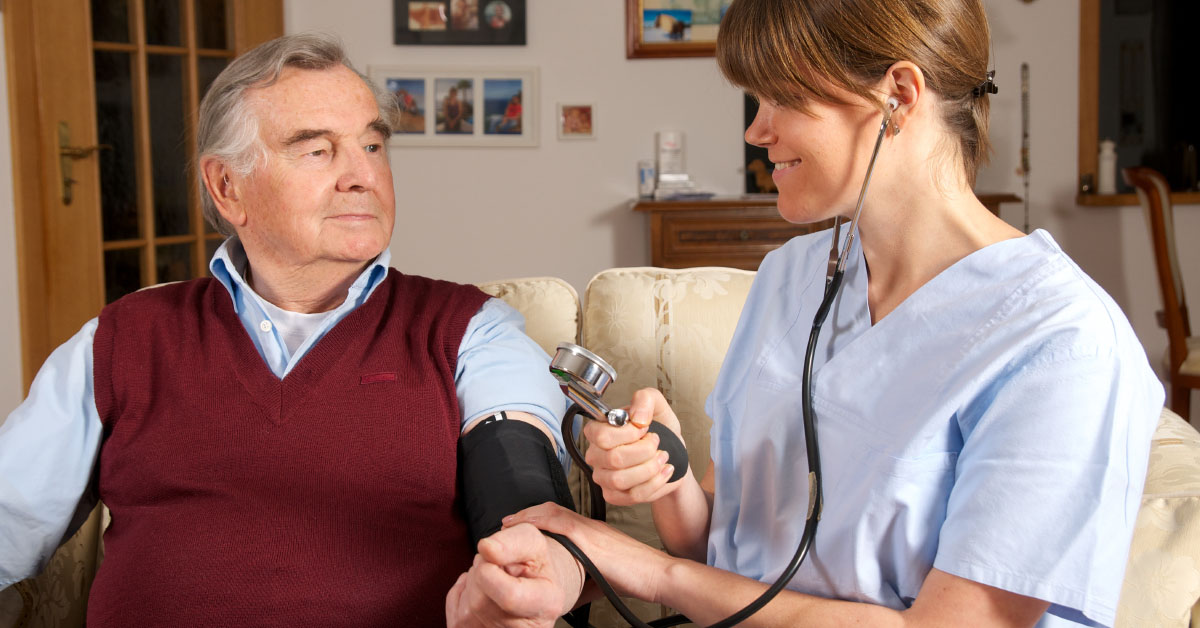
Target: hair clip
{"points": [[988, 86]]}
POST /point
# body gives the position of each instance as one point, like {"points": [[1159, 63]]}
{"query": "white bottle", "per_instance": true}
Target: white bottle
{"points": [[1107, 183]]}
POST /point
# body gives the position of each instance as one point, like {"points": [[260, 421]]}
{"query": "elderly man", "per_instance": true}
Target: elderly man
{"points": [[279, 445]]}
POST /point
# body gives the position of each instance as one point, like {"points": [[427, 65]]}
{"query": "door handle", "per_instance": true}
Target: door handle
{"points": [[67, 154]]}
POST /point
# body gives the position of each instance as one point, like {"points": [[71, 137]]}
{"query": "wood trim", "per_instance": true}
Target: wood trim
{"points": [[192, 98], [1089, 91], [256, 21], [141, 140], [24, 122], [1131, 200]]}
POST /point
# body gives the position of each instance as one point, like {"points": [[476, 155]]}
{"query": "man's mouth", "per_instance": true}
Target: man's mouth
{"points": [[784, 165]]}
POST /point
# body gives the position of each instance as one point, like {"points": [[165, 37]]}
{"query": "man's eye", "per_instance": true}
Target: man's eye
{"points": [[374, 148], [316, 153]]}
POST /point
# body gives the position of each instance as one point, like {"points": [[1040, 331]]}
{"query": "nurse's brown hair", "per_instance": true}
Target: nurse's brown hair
{"points": [[792, 51]]}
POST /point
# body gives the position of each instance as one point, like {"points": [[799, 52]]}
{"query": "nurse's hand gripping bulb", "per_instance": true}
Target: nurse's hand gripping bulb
{"points": [[583, 376]]}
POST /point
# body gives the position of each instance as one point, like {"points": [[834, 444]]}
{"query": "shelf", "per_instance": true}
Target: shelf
{"points": [[1131, 200]]}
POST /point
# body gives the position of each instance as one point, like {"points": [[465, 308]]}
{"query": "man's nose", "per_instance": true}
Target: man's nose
{"points": [[358, 170]]}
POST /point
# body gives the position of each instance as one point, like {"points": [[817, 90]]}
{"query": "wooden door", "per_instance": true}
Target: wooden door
{"points": [[104, 95]]}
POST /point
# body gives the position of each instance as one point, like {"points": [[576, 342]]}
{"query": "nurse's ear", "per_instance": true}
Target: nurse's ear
{"points": [[904, 82]]}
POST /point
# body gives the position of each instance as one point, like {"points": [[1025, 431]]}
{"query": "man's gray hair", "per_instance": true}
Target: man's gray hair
{"points": [[228, 126]]}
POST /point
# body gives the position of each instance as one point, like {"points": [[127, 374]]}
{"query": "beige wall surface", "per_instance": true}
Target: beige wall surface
{"points": [[562, 208]]}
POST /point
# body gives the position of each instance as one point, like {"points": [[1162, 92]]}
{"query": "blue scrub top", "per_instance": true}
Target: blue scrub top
{"points": [[996, 425]]}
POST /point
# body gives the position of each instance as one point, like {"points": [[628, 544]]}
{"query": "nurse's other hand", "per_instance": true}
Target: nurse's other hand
{"points": [[626, 461], [633, 568]]}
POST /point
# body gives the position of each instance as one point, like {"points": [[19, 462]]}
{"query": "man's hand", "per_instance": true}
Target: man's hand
{"points": [[520, 579]]}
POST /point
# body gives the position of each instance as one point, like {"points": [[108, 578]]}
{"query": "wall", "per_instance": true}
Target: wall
{"points": [[1110, 243], [492, 202], [10, 329], [562, 208]]}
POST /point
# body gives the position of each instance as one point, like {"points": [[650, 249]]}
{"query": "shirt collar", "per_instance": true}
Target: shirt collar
{"points": [[229, 264]]}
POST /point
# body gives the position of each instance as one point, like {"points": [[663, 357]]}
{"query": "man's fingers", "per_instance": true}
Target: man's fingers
{"points": [[521, 597], [454, 608]]}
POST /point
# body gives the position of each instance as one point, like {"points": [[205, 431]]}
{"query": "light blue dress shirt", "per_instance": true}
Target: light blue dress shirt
{"points": [[50, 444], [996, 425]]}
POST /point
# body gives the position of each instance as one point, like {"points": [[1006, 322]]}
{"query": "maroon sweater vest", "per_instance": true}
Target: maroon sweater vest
{"points": [[326, 499]]}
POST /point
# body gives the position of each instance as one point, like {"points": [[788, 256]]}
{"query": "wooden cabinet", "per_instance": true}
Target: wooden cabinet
{"points": [[736, 231]]}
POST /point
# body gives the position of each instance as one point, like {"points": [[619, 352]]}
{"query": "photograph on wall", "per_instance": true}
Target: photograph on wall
{"points": [[410, 98], [459, 22], [576, 121], [502, 109], [464, 15], [672, 28], [455, 105], [462, 106], [426, 16]]}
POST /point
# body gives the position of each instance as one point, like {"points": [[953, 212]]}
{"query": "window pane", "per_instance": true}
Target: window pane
{"points": [[168, 144], [110, 20], [162, 23], [174, 262], [114, 121], [207, 69], [122, 273], [211, 24]]}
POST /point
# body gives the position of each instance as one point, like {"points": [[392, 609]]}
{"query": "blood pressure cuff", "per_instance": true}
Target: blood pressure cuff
{"points": [[505, 466]]}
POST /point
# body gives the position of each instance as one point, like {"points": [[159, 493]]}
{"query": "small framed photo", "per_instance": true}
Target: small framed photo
{"points": [[576, 121], [462, 106], [459, 22]]}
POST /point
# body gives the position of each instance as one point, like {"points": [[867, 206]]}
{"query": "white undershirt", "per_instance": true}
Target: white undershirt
{"points": [[294, 327]]}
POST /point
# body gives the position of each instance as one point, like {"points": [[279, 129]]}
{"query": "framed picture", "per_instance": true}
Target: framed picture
{"points": [[576, 121], [672, 28], [462, 106], [459, 22]]}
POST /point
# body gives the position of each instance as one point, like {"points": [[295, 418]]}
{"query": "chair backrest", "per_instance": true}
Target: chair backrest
{"points": [[667, 329], [549, 304], [1155, 199]]}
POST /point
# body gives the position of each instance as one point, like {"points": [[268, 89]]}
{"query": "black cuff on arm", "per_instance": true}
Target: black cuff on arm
{"points": [[505, 466]]}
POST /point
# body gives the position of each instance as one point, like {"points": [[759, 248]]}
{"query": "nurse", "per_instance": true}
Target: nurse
{"points": [[984, 409]]}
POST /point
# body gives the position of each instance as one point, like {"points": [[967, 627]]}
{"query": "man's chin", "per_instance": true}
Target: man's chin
{"points": [[359, 252]]}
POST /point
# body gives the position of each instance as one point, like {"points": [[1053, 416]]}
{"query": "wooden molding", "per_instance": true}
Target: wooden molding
{"points": [[256, 21], [23, 122]]}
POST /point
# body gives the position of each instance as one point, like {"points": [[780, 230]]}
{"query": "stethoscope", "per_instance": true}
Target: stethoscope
{"points": [[583, 377]]}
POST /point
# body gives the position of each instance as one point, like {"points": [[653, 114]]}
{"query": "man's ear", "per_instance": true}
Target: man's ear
{"points": [[223, 187]]}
